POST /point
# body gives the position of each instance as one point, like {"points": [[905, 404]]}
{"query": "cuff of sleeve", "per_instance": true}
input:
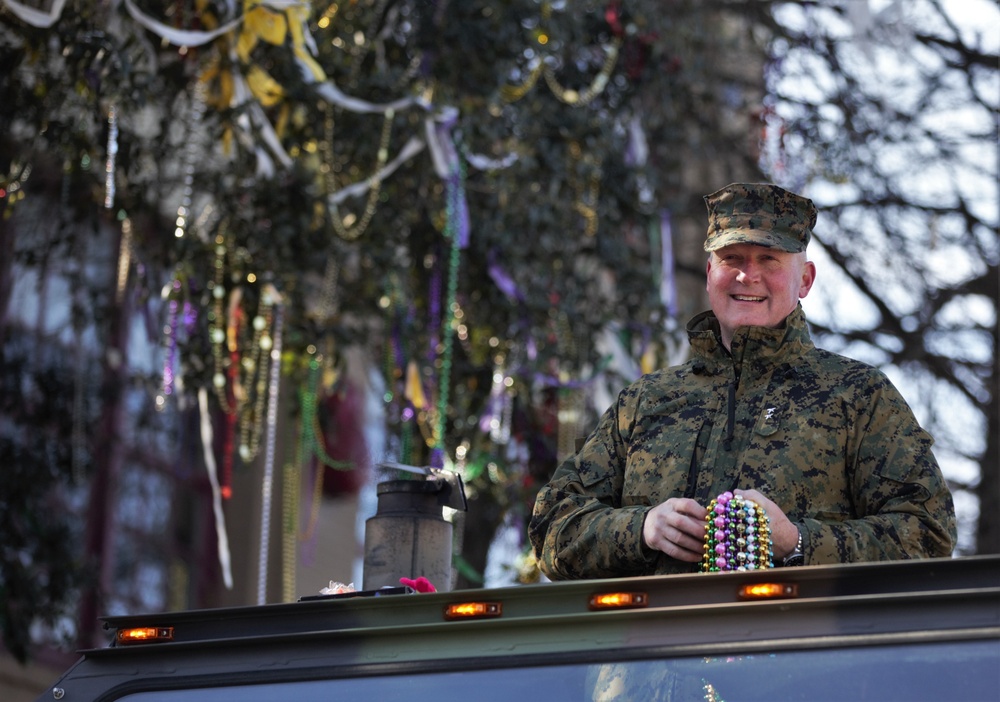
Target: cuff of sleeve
{"points": [[645, 555]]}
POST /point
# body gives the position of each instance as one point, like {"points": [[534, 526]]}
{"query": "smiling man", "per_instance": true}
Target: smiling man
{"points": [[824, 445]]}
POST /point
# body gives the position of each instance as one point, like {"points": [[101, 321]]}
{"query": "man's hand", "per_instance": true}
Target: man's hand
{"points": [[784, 534], [677, 527]]}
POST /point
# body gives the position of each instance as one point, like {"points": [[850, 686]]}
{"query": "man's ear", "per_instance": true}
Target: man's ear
{"points": [[808, 278]]}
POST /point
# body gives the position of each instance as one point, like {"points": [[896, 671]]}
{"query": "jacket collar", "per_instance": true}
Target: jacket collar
{"points": [[757, 346]]}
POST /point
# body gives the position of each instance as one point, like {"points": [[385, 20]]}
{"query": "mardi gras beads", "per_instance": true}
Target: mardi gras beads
{"points": [[737, 535]]}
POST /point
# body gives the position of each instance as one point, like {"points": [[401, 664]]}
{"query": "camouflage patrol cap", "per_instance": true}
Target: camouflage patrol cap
{"points": [[759, 213]]}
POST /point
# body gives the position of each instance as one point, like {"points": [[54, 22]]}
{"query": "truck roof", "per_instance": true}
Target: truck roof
{"points": [[400, 635]]}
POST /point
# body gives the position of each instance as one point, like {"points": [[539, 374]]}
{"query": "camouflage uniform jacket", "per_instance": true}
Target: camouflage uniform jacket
{"points": [[829, 439]]}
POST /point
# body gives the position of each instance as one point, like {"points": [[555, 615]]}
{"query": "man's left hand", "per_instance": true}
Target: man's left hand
{"points": [[784, 534]]}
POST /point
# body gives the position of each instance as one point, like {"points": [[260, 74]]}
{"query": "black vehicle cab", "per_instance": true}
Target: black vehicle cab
{"points": [[909, 630]]}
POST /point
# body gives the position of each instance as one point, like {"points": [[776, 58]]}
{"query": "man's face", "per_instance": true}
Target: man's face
{"points": [[750, 285]]}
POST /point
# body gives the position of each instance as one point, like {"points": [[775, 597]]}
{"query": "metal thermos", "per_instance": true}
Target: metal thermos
{"points": [[408, 537]]}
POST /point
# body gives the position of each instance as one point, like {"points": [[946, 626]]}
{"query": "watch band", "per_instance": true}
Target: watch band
{"points": [[796, 557]]}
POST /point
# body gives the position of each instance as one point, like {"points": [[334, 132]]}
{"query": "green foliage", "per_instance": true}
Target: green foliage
{"points": [[550, 219], [40, 571]]}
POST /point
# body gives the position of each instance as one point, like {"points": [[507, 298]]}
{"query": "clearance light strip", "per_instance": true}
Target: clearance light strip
{"points": [[145, 634], [473, 610], [619, 600], [768, 591]]}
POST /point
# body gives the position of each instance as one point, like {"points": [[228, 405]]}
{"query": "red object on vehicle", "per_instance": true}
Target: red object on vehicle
{"points": [[421, 584]]}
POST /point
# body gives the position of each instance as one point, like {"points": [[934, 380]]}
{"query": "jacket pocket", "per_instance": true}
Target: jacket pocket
{"points": [[659, 454]]}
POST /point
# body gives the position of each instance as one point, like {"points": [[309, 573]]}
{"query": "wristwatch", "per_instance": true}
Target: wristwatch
{"points": [[795, 558]]}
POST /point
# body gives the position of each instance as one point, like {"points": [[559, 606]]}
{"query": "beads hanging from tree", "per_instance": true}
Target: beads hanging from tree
{"points": [[267, 484], [586, 193], [350, 227], [255, 364], [192, 155], [240, 370], [173, 295], [402, 406], [544, 66], [111, 158], [455, 191], [12, 187]]}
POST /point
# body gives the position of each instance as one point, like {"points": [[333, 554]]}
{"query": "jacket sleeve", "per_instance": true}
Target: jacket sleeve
{"points": [[579, 528], [902, 507]]}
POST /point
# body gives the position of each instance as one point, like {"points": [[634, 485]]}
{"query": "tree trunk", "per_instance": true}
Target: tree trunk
{"points": [[988, 491], [101, 523]]}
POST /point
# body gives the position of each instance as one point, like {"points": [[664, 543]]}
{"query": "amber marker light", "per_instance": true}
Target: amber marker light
{"points": [[768, 591], [473, 610], [619, 600], [145, 634]]}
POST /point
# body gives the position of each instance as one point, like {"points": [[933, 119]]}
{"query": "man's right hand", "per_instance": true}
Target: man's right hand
{"points": [[676, 527]]}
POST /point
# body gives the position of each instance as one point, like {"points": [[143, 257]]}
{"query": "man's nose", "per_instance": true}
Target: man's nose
{"points": [[749, 273]]}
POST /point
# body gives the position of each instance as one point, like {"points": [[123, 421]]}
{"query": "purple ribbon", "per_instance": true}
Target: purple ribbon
{"points": [[503, 280], [668, 290]]}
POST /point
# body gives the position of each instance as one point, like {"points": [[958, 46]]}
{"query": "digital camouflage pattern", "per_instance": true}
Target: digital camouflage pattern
{"points": [[759, 213], [829, 439]]}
